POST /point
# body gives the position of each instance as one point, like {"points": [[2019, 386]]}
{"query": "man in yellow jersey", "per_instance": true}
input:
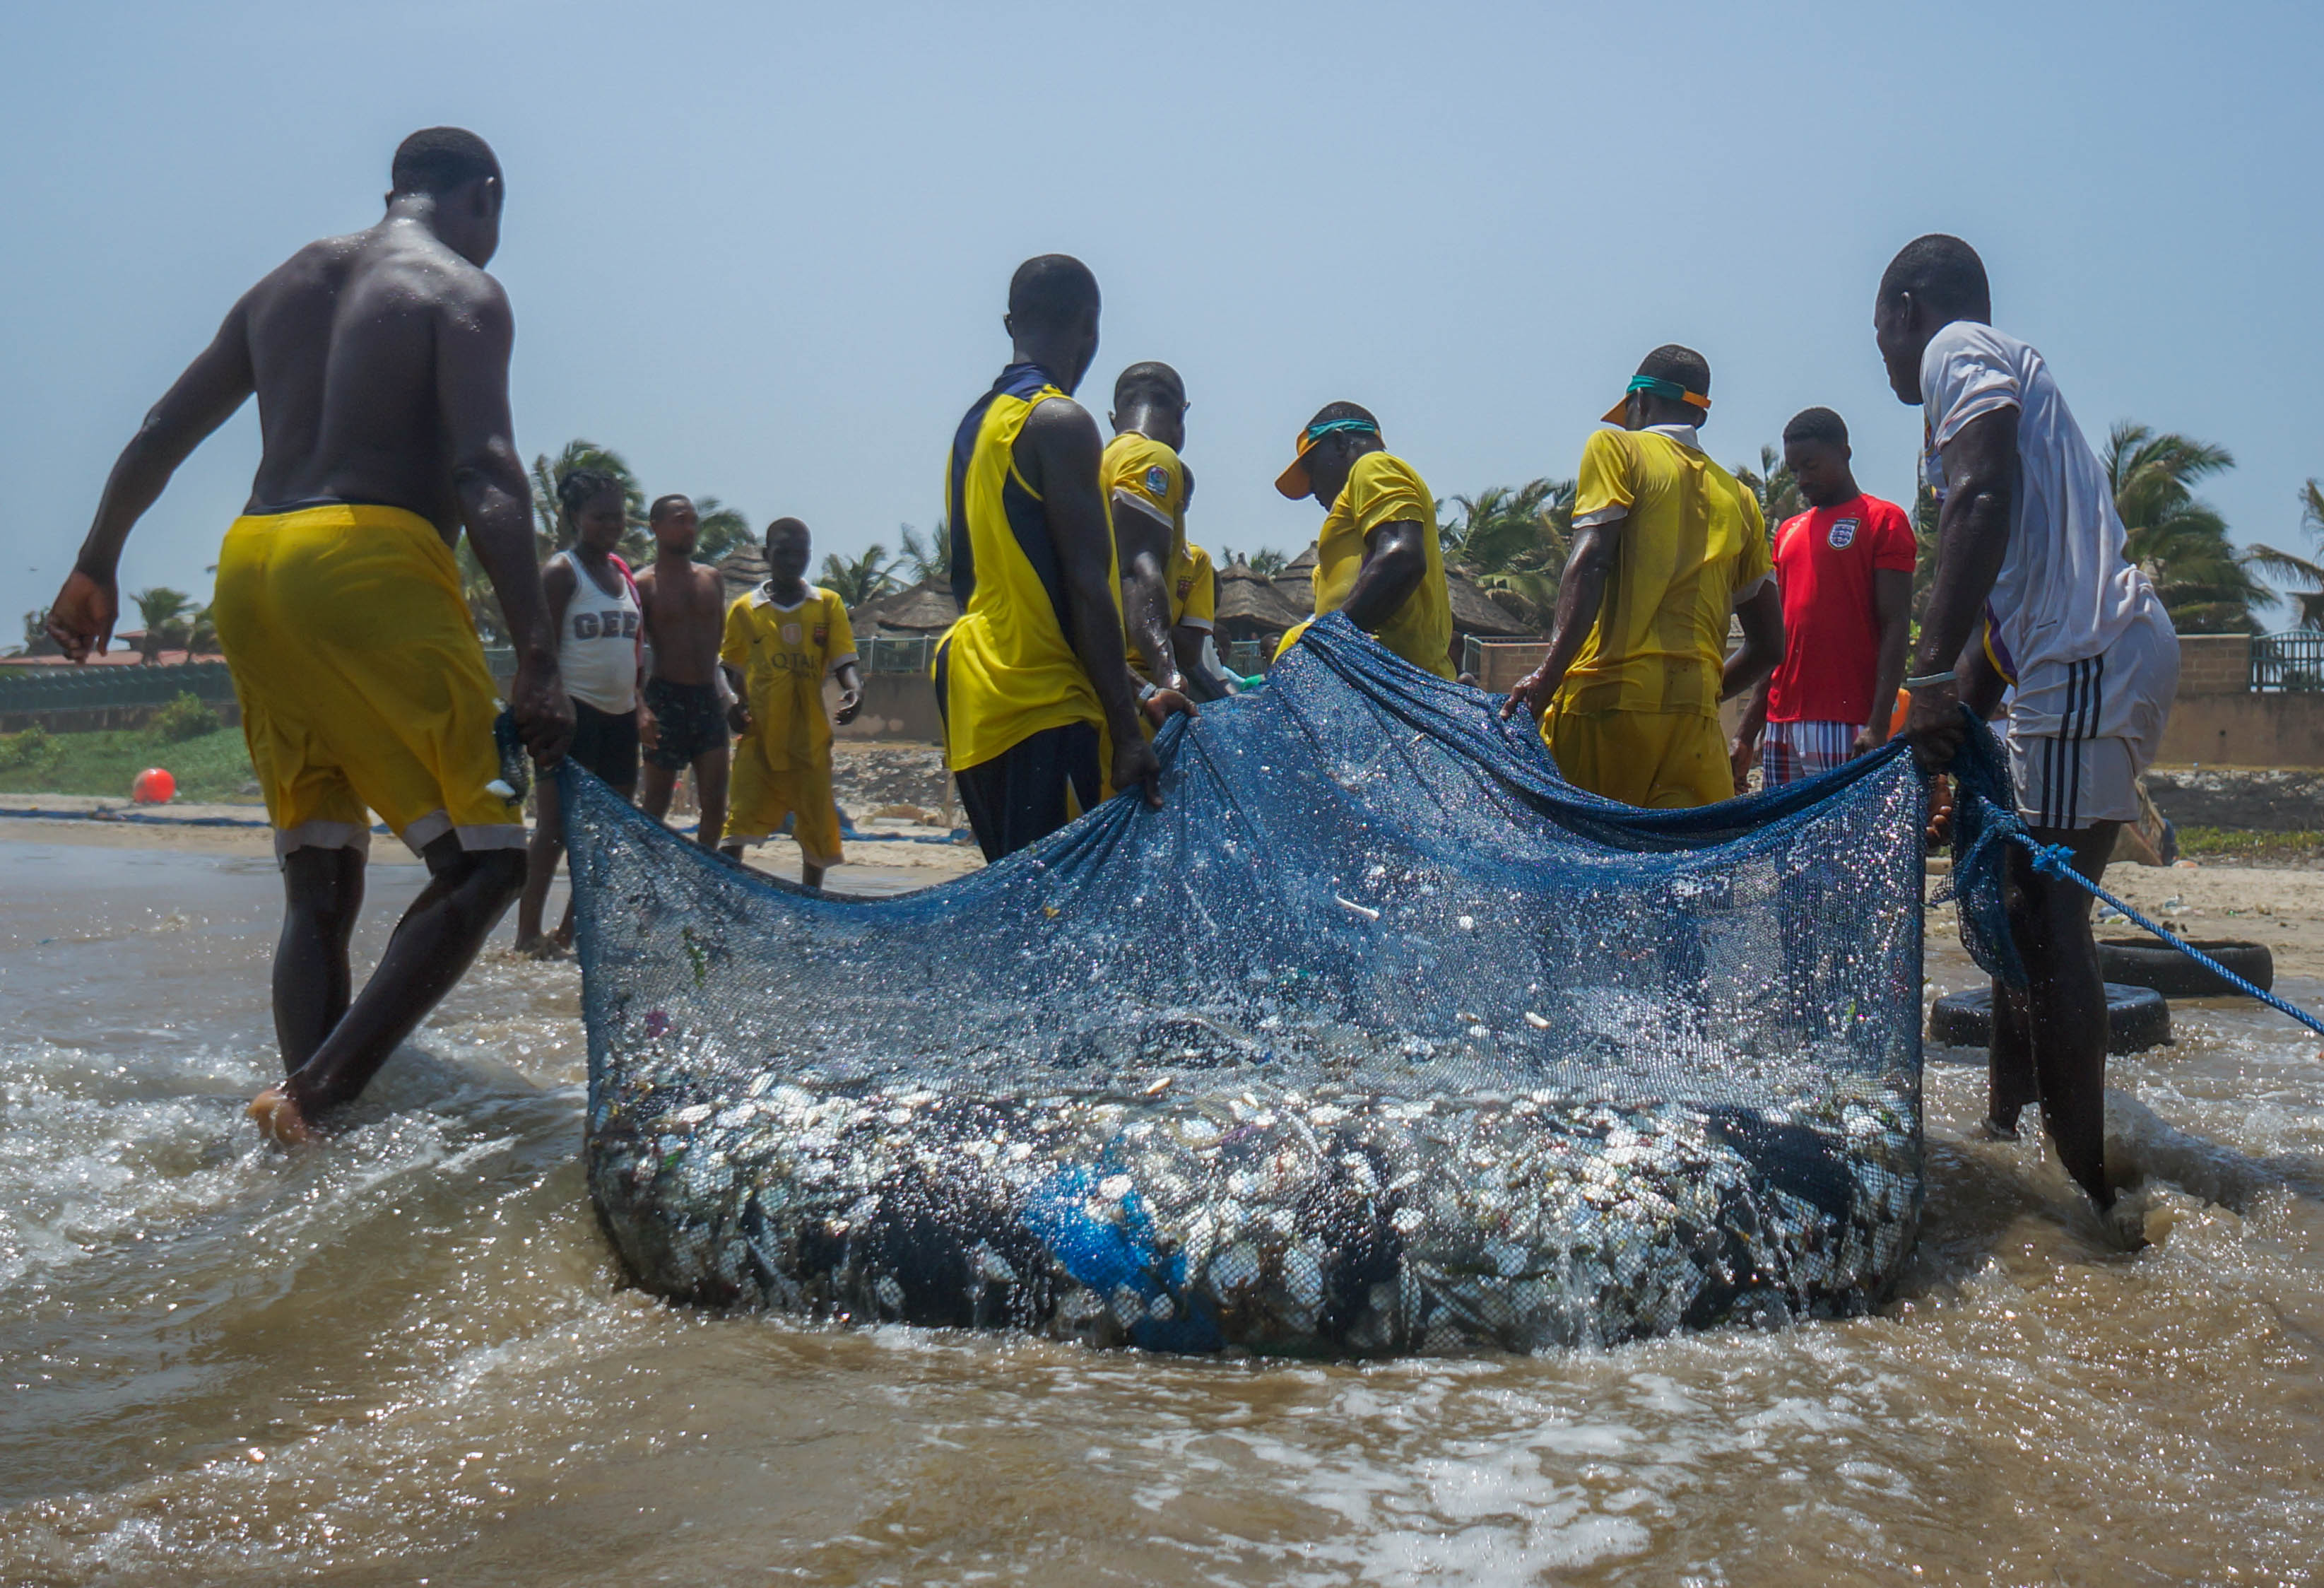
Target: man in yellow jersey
{"points": [[1376, 558], [1666, 546], [782, 641], [380, 361], [1169, 596], [1041, 712]]}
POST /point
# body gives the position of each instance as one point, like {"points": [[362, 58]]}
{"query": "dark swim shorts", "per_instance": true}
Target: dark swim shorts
{"points": [[606, 743], [690, 723]]}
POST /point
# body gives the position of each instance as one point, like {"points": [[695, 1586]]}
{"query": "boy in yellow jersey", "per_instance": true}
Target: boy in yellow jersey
{"points": [[1666, 546], [782, 641], [1377, 558], [1167, 595], [1040, 710]]}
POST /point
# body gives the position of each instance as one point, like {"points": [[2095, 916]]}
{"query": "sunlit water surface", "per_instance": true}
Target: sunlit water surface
{"points": [[408, 1357]]}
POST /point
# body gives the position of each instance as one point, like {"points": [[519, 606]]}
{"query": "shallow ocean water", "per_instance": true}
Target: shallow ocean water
{"points": [[409, 1357]]}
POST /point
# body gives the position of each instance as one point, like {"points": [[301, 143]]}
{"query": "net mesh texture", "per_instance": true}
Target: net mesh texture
{"points": [[1379, 1037]]}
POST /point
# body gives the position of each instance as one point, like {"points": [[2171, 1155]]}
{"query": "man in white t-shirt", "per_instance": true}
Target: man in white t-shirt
{"points": [[2032, 592]]}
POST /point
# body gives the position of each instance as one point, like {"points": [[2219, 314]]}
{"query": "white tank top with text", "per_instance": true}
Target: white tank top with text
{"points": [[597, 648]]}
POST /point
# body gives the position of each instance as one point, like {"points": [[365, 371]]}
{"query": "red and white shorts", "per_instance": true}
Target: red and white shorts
{"points": [[1792, 752]]}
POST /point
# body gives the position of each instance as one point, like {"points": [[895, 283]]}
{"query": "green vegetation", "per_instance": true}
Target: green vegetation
{"points": [[2304, 575], [214, 766], [1513, 538], [1266, 562], [186, 717], [2180, 539], [856, 580], [2240, 844]]}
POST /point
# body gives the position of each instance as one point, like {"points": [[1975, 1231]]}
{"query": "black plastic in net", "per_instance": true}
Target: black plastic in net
{"points": [[1379, 1037]]}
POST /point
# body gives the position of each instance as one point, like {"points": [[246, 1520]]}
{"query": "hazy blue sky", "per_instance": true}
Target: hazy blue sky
{"points": [[762, 250]]}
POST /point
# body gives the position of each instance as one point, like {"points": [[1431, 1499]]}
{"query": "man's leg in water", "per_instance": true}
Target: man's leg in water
{"points": [[710, 770], [2065, 1008], [322, 894], [433, 946], [541, 855]]}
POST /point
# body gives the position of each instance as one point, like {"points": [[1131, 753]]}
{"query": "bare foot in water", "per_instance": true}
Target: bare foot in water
{"points": [[279, 1117], [541, 948]]}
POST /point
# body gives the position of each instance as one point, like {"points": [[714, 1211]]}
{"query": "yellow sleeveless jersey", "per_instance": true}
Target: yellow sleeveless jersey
{"points": [[1007, 669], [1384, 489]]}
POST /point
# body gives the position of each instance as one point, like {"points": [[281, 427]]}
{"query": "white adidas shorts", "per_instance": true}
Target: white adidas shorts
{"points": [[2073, 783]]}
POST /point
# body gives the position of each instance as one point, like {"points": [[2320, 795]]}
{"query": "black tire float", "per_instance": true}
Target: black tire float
{"points": [[2138, 1017], [2142, 961]]}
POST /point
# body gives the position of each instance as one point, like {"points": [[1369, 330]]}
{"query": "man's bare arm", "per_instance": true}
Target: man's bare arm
{"points": [[204, 397], [1892, 615], [1972, 541], [475, 333], [1142, 545], [1761, 613], [1581, 590], [1198, 682], [1063, 451], [1395, 560]]}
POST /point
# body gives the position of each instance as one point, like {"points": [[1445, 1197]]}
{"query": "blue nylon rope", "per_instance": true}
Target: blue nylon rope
{"points": [[2055, 860]]}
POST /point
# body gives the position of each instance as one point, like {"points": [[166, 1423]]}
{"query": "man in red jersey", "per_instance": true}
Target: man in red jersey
{"points": [[1845, 569]]}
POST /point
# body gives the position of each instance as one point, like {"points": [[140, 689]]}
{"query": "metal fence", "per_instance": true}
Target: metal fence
{"points": [[2292, 661], [105, 689], [887, 653]]}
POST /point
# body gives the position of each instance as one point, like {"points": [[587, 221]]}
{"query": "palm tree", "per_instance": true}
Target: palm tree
{"points": [[1513, 538], [856, 582], [2304, 574], [1267, 561], [1779, 495], [165, 611], [549, 523], [2181, 541], [930, 558], [722, 528]]}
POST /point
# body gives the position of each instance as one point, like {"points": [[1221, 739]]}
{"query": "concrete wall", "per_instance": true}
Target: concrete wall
{"points": [[2214, 664], [896, 705], [2248, 729]]}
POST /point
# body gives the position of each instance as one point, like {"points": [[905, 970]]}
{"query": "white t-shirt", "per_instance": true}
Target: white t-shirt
{"points": [[2077, 627], [597, 652]]}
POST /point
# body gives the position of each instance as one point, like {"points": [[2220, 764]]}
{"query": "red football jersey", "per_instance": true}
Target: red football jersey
{"points": [[1824, 560]]}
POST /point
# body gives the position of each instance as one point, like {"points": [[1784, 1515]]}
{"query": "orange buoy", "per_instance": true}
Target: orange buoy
{"points": [[154, 786], [1903, 704]]}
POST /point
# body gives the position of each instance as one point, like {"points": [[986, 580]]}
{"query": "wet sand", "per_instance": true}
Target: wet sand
{"points": [[407, 1356]]}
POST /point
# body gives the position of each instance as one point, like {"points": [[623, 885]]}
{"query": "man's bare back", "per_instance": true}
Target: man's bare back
{"points": [[343, 343]]}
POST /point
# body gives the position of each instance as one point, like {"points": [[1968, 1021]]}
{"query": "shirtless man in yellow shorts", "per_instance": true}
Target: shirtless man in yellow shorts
{"points": [[380, 361], [1667, 545]]}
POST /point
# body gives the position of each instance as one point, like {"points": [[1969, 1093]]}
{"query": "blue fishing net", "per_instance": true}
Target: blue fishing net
{"points": [[1379, 1037]]}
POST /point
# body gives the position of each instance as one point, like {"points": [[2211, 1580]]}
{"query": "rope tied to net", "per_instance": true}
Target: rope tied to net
{"points": [[2055, 860]]}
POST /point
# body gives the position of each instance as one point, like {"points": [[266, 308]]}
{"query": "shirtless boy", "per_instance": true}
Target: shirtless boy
{"points": [[380, 361], [686, 720]]}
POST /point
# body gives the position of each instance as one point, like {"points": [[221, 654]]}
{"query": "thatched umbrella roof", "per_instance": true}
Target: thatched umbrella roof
{"points": [[744, 569], [1250, 605], [1296, 581], [1492, 615], [925, 608]]}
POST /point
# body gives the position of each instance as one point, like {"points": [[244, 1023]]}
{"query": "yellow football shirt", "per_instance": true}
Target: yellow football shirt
{"points": [[784, 653], [1194, 589], [1139, 475], [1384, 489], [1007, 669], [1692, 542]]}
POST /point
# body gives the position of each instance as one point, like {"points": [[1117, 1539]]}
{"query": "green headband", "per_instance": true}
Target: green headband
{"points": [[1655, 387], [1354, 426]]}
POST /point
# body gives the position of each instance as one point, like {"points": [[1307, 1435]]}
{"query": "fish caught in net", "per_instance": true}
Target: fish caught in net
{"points": [[1380, 1037]]}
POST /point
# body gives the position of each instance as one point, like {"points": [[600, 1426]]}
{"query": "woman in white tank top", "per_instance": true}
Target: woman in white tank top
{"points": [[594, 607]]}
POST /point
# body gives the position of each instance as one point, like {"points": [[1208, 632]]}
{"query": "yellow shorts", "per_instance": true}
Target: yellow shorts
{"points": [[362, 681], [760, 797], [1664, 760]]}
